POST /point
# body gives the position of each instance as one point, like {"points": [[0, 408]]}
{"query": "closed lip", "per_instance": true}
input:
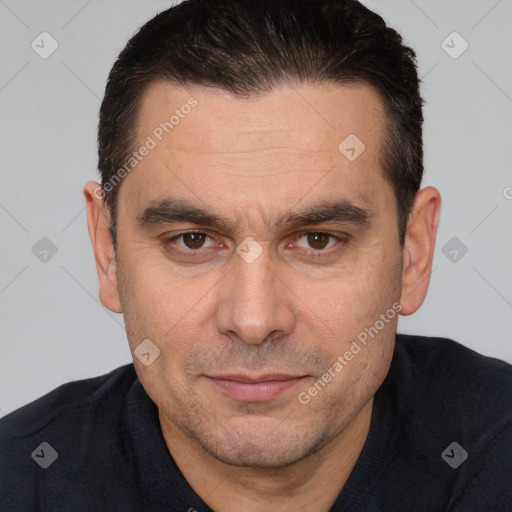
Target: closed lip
{"points": [[255, 388], [256, 378]]}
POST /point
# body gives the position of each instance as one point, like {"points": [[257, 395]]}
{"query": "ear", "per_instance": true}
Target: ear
{"points": [[420, 241], [98, 221]]}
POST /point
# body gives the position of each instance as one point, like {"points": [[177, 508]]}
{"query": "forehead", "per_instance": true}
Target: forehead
{"points": [[268, 150], [300, 114]]}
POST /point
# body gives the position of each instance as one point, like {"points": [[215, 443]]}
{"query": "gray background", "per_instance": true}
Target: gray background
{"points": [[53, 328]]}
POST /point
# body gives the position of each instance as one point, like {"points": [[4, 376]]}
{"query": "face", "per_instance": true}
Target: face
{"points": [[253, 252]]}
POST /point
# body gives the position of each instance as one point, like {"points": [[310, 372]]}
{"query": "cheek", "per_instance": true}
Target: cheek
{"points": [[354, 297], [155, 308], [167, 309], [146, 299]]}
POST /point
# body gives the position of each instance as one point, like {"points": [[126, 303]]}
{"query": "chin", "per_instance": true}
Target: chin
{"points": [[273, 447]]}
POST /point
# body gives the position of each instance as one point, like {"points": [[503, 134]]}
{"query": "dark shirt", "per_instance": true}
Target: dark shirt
{"points": [[111, 455]]}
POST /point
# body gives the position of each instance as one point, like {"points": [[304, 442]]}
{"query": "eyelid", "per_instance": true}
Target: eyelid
{"points": [[179, 235], [341, 238]]}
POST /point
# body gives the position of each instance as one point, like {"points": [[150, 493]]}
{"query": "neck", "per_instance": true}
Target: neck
{"points": [[312, 484]]}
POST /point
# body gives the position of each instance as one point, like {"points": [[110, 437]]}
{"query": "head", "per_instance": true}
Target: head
{"points": [[287, 135]]}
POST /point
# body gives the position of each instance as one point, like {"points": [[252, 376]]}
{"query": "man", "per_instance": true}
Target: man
{"points": [[260, 225]]}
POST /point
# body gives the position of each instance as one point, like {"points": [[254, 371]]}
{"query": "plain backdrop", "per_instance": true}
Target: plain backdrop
{"points": [[54, 329]]}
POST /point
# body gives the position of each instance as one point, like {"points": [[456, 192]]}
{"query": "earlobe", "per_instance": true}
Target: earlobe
{"points": [[98, 221], [419, 248]]}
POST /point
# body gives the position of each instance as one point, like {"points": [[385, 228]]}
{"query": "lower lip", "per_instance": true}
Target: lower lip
{"points": [[256, 391]]}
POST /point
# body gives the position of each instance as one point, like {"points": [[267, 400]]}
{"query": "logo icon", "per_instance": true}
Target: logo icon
{"points": [[454, 249], [45, 455], [454, 45], [44, 250], [351, 147], [146, 352], [454, 455], [44, 45], [249, 249]]}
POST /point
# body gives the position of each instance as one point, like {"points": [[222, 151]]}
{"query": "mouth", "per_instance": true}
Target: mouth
{"points": [[260, 388]]}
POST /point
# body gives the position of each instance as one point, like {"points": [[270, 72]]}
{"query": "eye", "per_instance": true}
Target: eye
{"points": [[196, 243], [317, 240], [192, 241], [319, 243]]}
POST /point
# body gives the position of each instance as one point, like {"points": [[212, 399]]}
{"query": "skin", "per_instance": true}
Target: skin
{"points": [[210, 313]]}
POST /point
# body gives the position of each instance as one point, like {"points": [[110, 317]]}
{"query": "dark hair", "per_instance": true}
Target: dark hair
{"points": [[247, 47]]}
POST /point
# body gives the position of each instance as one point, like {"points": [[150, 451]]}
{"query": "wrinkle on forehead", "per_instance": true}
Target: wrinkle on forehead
{"points": [[306, 117]]}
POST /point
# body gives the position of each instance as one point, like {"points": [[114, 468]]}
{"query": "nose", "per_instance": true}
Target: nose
{"points": [[255, 303]]}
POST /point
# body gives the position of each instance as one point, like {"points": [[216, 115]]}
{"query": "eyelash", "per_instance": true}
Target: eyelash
{"points": [[315, 253]]}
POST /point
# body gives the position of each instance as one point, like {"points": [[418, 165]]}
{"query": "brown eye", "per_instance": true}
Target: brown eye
{"points": [[318, 240], [319, 244], [193, 244], [194, 240]]}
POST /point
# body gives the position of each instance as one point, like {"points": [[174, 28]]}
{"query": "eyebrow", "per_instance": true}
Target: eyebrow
{"points": [[178, 210]]}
